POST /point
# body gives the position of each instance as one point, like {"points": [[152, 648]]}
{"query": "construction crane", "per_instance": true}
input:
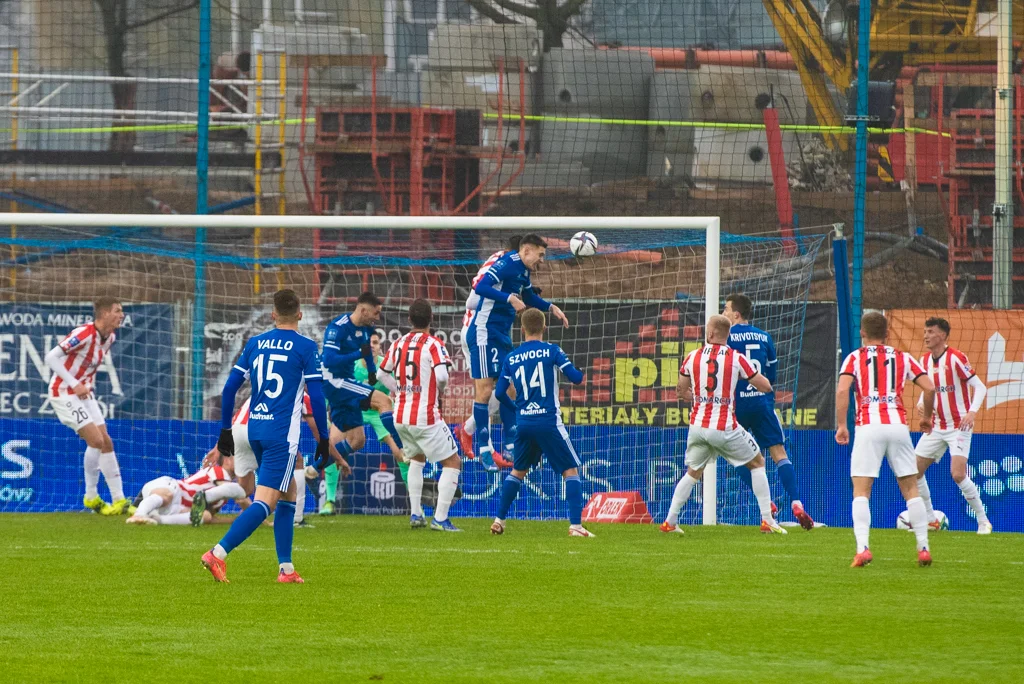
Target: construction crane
{"points": [[903, 33]]}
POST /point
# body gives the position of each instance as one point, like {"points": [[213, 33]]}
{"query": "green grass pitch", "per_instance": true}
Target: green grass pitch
{"points": [[94, 600]]}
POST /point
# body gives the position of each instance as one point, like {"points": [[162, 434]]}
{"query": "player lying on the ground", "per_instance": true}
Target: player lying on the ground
{"points": [[244, 465], [464, 433], [878, 373], [419, 363], [278, 364], [371, 418], [504, 290], [167, 501], [74, 362], [755, 410], [950, 371], [708, 380], [346, 340], [531, 368]]}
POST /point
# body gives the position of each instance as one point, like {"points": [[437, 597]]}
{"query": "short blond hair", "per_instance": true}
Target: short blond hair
{"points": [[874, 326], [533, 321], [718, 326]]}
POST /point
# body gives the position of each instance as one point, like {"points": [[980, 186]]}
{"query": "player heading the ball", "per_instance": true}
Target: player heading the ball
{"points": [[950, 371], [878, 374], [531, 370], [74, 362], [419, 363], [708, 379], [502, 292], [279, 364]]}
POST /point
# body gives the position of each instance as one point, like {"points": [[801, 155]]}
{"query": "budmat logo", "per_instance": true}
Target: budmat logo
{"points": [[262, 408], [382, 485]]}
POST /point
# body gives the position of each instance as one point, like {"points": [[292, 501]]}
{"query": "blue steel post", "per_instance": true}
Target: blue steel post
{"points": [[843, 314], [202, 172], [860, 179]]}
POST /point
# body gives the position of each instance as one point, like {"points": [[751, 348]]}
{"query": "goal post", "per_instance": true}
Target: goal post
{"points": [[635, 308]]}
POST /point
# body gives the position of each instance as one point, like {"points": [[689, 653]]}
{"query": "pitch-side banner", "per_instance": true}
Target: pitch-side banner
{"points": [[994, 343], [134, 381], [630, 353]]}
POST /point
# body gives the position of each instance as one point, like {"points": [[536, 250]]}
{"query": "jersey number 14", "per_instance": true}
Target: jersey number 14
{"points": [[536, 380]]}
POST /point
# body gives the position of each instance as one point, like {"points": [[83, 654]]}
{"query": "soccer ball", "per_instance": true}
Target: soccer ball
{"points": [[583, 244], [903, 521]]}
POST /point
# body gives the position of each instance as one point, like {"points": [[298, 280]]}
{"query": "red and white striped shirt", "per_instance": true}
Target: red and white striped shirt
{"points": [[879, 374], [200, 481], [715, 370], [241, 416], [412, 360], [950, 373], [85, 351], [473, 296]]}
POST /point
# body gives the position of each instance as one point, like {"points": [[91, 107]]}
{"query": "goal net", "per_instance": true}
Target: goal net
{"points": [[635, 309]]}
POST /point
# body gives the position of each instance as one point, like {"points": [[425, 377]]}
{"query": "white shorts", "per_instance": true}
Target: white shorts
{"points": [[872, 443], [465, 345], [933, 445], [436, 441], [175, 506], [77, 413], [704, 444], [245, 459]]}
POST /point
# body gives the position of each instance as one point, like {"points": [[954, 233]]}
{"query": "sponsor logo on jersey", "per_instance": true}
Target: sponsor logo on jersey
{"points": [[532, 409], [73, 342], [262, 407], [382, 485], [261, 412]]}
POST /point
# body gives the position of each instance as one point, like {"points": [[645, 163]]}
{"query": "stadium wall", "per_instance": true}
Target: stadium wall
{"points": [[40, 471]]}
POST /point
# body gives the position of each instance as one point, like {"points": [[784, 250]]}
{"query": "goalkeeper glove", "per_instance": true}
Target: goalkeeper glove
{"points": [[322, 458], [226, 443]]}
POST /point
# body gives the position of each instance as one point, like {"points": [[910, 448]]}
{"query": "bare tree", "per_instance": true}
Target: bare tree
{"points": [[551, 18], [121, 18]]}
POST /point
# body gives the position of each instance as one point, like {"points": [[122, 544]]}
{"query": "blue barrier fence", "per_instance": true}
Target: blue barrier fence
{"points": [[41, 471]]}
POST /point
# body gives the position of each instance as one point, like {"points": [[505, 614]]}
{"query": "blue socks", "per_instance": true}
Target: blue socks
{"points": [[787, 474], [574, 496], [509, 492], [284, 531], [388, 420], [508, 426], [744, 474], [246, 523], [344, 448], [483, 425]]}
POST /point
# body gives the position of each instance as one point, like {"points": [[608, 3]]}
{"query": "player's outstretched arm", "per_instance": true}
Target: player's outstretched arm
{"points": [[760, 383], [842, 406], [571, 372]]}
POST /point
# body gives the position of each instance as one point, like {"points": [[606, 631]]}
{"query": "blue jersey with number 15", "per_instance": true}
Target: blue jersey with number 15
{"points": [[277, 364], [758, 347]]}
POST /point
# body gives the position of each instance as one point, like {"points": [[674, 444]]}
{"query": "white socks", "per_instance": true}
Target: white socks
{"points": [[918, 521], [416, 487], [91, 464], [445, 491], [970, 492], [300, 492], [176, 519], [759, 483], [228, 490], [679, 497], [112, 474], [926, 496], [862, 521], [149, 505]]}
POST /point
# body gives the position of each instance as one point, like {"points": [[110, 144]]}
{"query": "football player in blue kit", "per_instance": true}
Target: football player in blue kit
{"points": [[755, 410], [346, 340], [532, 369], [496, 298], [279, 365]]}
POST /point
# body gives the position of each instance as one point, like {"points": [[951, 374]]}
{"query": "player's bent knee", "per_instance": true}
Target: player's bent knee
{"points": [[452, 461], [164, 494], [380, 402], [958, 469], [695, 474], [356, 439], [908, 486], [756, 462]]}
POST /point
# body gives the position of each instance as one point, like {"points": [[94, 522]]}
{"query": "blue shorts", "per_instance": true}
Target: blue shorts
{"points": [[348, 399], [485, 358], [276, 461], [552, 441], [763, 423]]}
